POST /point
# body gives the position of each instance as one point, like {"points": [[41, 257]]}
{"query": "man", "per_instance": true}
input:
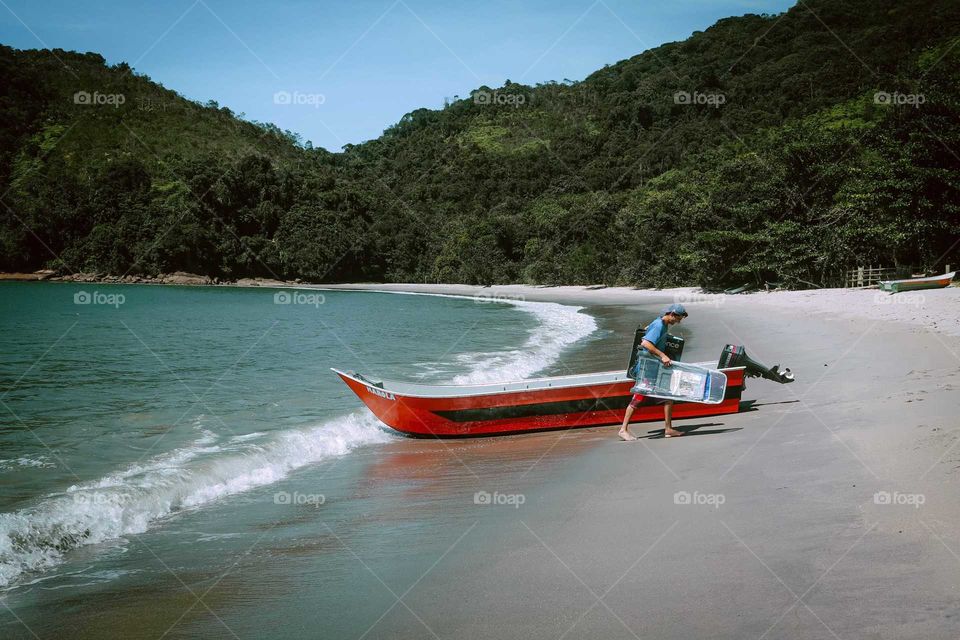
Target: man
{"points": [[653, 343]]}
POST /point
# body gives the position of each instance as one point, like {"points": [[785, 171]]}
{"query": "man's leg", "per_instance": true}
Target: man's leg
{"points": [[668, 429], [624, 432]]}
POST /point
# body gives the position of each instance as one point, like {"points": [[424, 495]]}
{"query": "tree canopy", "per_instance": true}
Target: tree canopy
{"points": [[780, 148]]}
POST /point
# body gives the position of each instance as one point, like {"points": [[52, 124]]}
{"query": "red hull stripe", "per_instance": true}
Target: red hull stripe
{"points": [[645, 413]]}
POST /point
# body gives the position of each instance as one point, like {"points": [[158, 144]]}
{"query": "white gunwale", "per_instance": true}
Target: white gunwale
{"points": [[416, 390]]}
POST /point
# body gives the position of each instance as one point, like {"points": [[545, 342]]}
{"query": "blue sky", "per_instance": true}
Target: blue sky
{"points": [[357, 67]]}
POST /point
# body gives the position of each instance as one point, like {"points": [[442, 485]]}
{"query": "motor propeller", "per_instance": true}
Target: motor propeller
{"points": [[736, 356]]}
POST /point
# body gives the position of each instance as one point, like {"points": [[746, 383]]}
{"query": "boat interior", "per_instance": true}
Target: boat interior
{"points": [[461, 390]]}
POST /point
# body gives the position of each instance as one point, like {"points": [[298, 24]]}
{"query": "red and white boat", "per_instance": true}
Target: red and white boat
{"points": [[539, 404]]}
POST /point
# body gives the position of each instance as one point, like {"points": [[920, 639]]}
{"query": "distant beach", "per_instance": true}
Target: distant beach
{"points": [[938, 310]]}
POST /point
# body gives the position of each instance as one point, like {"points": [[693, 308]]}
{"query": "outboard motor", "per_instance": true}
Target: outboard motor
{"points": [[736, 356], [674, 348]]}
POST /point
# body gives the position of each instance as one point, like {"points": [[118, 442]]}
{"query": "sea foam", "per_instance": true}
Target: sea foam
{"points": [[558, 327], [130, 500]]}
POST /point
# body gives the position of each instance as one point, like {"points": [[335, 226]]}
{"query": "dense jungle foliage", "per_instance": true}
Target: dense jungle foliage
{"points": [[766, 148]]}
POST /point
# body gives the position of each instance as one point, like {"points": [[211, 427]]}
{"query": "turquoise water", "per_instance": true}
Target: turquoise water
{"points": [[181, 413]]}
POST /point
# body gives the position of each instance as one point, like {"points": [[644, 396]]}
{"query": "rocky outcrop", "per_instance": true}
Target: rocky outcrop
{"points": [[177, 277], [44, 274]]}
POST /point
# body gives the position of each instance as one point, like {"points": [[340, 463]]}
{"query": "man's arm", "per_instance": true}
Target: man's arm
{"points": [[652, 348]]}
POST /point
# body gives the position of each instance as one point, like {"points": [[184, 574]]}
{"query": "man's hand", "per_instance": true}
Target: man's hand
{"points": [[665, 360]]}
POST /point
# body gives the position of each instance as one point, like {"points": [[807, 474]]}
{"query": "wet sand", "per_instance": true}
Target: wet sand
{"points": [[826, 510]]}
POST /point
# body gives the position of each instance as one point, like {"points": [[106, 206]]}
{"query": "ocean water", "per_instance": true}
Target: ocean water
{"points": [[153, 430]]}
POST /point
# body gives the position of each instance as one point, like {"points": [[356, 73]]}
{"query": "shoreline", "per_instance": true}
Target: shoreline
{"points": [[935, 310]]}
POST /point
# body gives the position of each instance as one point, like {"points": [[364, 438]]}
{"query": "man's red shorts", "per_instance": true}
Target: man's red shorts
{"points": [[638, 400]]}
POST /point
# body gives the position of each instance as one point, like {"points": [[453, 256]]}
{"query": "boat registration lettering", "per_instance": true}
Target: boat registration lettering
{"points": [[380, 392]]}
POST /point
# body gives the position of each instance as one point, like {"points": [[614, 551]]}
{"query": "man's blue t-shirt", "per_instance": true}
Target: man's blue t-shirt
{"points": [[656, 333]]}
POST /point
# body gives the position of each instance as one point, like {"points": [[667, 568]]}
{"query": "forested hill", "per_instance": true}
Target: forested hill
{"points": [[765, 148]]}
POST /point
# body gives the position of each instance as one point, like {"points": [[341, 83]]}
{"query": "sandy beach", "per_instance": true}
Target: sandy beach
{"points": [[827, 510]]}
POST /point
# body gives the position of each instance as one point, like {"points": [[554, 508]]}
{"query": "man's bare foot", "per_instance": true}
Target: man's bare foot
{"points": [[672, 433], [626, 435]]}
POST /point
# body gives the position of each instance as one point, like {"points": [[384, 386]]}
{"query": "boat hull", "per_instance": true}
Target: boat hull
{"points": [[526, 410]]}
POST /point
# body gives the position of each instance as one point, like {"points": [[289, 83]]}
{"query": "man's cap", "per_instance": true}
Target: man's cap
{"points": [[676, 309]]}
